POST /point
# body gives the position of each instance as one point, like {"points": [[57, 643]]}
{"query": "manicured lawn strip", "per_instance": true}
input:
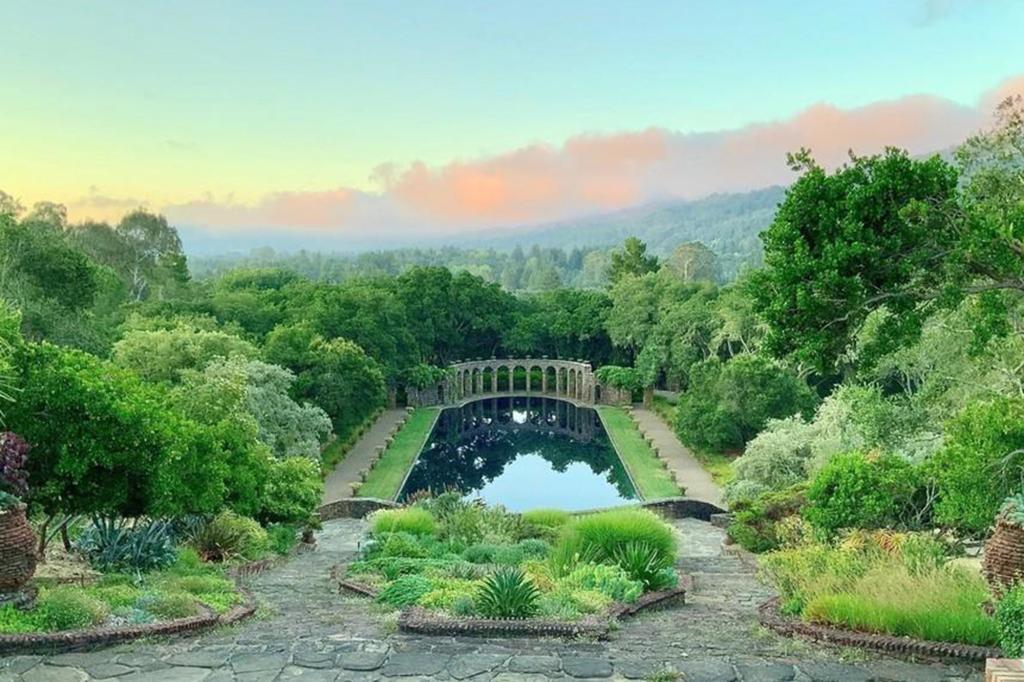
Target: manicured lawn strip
{"points": [[389, 473], [652, 480], [715, 463]]}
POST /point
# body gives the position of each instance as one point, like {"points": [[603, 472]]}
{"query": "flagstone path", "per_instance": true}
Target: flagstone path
{"points": [[307, 631]]}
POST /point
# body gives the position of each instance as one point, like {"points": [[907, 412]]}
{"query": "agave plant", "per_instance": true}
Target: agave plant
{"points": [[507, 593], [111, 545], [1013, 509]]}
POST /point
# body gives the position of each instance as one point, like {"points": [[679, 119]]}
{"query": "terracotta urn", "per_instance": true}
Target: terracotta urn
{"points": [[17, 549]]}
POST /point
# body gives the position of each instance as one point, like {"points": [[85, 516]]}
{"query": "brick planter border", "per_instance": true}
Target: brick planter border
{"points": [[422, 621], [96, 637], [771, 617]]}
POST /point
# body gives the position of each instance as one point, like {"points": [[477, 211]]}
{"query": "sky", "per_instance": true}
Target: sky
{"points": [[442, 117]]}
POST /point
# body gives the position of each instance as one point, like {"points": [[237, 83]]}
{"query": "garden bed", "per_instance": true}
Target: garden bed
{"points": [[458, 567], [771, 617], [186, 596], [427, 622]]}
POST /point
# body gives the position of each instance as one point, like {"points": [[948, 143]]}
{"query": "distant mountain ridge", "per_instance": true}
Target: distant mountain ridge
{"points": [[727, 223]]}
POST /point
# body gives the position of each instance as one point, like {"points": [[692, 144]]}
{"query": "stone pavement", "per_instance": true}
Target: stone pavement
{"points": [[696, 481], [339, 482], [306, 631]]}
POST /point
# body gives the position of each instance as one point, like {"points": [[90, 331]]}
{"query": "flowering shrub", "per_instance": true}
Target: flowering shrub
{"points": [[13, 477]]}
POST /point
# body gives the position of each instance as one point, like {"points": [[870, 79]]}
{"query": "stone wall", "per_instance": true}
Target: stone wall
{"points": [[353, 507]]}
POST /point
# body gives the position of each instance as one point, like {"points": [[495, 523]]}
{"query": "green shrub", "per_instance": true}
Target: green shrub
{"points": [[444, 595], [69, 608], [169, 606], [282, 538], [755, 523], [405, 590], [972, 473], [230, 536], [480, 553], [507, 593], [509, 555], [863, 491], [200, 584], [547, 518], [14, 621], [601, 534], [1010, 620], [566, 604], [559, 605], [464, 605], [414, 520], [728, 403], [646, 564], [293, 490], [399, 544], [534, 548], [609, 580], [116, 596]]}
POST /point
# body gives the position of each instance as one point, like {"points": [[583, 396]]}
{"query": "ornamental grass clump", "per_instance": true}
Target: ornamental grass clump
{"points": [[607, 537], [883, 582], [413, 520]]}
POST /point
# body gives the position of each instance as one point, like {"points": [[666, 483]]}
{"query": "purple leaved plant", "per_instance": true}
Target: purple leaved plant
{"points": [[13, 455]]}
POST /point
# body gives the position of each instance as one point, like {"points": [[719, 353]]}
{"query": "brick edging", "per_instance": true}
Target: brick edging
{"points": [[422, 621], [771, 617]]}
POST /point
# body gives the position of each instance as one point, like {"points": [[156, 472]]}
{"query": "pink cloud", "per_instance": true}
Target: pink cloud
{"points": [[596, 172]]}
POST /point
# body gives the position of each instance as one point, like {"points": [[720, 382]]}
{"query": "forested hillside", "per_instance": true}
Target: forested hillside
{"points": [[574, 253]]}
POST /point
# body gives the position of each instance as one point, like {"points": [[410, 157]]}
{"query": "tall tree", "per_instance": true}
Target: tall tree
{"points": [[631, 260], [694, 262], [155, 256], [846, 243]]}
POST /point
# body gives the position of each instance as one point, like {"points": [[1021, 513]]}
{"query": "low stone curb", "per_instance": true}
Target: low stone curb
{"points": [[422, 621], [771, 617], [70, 640]]}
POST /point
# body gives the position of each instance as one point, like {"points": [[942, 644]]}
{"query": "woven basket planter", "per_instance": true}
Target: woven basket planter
{"points": [[1003, 563], [17, 549]]}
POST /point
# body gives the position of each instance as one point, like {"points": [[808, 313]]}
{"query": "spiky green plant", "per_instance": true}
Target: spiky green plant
{"points": [[507, 593], [645, 563], [1013, 509]]}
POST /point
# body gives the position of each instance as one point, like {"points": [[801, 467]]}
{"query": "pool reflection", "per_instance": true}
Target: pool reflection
{"points": [[523, 453]]}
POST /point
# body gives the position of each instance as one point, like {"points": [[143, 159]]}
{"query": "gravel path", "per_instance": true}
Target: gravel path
{"points": [[306, 631], [696, 481], [339, 482]]}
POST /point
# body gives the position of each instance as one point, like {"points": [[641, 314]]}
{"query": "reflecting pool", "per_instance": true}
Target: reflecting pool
{"points": [[523, 453]]}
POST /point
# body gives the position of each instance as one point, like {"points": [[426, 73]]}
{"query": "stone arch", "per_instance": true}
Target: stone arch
{"points": [[487, 375], [549, 380]]}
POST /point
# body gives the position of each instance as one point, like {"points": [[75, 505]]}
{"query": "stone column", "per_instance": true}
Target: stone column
{"points": [[529, 372], [544, 380]]}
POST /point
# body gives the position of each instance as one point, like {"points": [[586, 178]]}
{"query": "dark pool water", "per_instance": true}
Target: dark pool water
{"points": [[523, 453]]}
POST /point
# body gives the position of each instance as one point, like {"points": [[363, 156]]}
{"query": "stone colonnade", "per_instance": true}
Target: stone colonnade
{"points": [[558, 378]]}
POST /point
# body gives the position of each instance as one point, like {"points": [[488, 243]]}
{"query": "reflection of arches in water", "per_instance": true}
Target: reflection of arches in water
{"points": [[473, 444], [521, 413]]}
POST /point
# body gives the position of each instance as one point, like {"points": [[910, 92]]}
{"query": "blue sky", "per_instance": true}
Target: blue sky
{"points": [[172, 103]]}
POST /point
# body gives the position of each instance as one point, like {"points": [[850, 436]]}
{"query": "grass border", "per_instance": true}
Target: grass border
{"points": [[388, 475], [650, 477]]}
